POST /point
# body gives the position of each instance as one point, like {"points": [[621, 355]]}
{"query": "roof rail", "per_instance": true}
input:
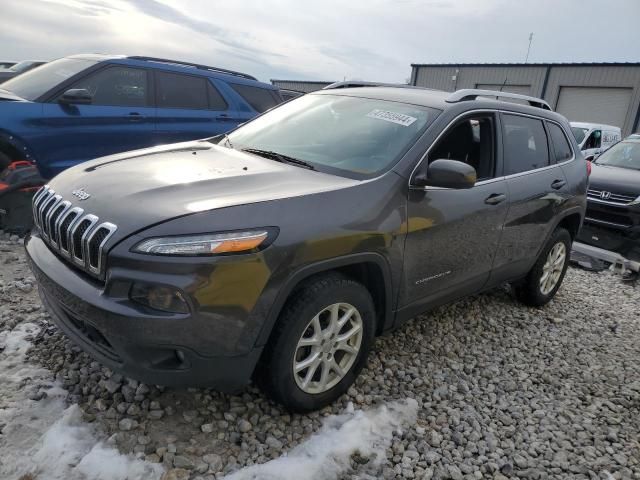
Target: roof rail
{"points": [[193, 65], [473, 94], [358, 83]]}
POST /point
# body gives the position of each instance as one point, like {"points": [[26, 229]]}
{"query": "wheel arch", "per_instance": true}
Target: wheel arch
{"points": [[370, 269], [14, 147]]}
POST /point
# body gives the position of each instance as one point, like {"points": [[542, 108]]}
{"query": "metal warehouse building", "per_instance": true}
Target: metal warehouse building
{"points": [[305, 86], [589, 92]]}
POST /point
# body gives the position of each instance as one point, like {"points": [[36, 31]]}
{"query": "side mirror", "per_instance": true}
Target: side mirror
{"points": [[446, 174], [77, 96], [590, 158]]}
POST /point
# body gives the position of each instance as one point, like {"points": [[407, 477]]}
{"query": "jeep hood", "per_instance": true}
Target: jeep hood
{"points": [[145, 187]]}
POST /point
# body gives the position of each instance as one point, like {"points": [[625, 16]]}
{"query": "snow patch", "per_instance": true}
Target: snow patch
{"points": [[43, 438], [326, 454]]}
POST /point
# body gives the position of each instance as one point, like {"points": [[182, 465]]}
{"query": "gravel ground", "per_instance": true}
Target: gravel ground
{"points": [[501, 391]]}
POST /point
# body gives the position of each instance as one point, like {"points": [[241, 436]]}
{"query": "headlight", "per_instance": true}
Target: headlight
{"points": [[206, 244]]}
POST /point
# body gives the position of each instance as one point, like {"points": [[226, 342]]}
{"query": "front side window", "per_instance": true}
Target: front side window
{"points": [[260, 99], [624, 155], [181, 91], [34, 83], [349, 136], [116, 87], [561, 145], [525, 144], [470, 141], [594, 140]]}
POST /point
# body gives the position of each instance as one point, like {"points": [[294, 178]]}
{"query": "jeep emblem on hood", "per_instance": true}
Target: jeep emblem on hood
{"points": [[81, 194]]}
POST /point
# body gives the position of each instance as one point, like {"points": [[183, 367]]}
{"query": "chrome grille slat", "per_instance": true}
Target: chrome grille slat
{"points": [[69, 230], [57, 199], [110, 228], [617, 198]]}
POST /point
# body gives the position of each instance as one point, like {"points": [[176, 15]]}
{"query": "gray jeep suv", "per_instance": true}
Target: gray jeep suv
{"points": [[279, 251]]}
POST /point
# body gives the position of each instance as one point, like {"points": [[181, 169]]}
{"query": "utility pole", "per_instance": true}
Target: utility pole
{"points": [[529, 49]]}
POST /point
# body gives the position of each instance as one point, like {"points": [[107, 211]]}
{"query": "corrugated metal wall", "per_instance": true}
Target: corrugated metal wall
{"points": [[300, 85], [441, 77], [593, 76]]}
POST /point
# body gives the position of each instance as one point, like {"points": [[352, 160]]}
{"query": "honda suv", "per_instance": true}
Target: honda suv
{"points": [[86, 106], [279, 251]]}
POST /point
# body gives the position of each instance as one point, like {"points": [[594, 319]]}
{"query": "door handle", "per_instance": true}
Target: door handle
{"points": [[558, 184], [495, 198], [225, 118], [135, 117]]}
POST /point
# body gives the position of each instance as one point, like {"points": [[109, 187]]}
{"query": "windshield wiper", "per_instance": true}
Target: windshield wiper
{"points": [[279, 157]]}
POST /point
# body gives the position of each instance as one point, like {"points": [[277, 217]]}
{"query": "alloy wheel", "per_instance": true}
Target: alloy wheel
{"points": [[328, 348], [552, 268]]}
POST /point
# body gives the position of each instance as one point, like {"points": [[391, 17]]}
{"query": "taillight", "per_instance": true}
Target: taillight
{"points": [[588, 168]]}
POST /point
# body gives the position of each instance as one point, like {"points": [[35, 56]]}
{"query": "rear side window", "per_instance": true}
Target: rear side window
{"points": [[181, 91], [525, 144], [260, 99], [216, 101], [116, 87], [561, 145]]}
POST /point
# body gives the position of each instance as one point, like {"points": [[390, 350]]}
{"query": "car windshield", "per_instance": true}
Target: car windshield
{"points": [[22, 66], [623, 155], [32, 84], [579, 133], [350, 136]]}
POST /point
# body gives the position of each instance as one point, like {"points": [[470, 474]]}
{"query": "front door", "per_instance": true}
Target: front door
{"points": [[453, 234], [120, 118]]}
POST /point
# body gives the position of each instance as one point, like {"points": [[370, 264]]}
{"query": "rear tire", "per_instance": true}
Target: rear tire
{"points": [[544, 279], [319, 345]]}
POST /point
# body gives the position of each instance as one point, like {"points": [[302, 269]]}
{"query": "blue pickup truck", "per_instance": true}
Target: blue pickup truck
{"points": [[86, 106]]}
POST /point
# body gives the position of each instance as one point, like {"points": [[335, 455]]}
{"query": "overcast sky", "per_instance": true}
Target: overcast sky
{"points": [[324, 40]]}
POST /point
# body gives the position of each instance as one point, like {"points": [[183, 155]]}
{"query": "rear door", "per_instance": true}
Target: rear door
{"points": [[190, 107], [453, 234], [119, 118], [537, 189]]}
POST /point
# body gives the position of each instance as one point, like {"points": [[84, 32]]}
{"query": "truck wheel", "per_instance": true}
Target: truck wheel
{"points": [[545, 278], [320, 343]]}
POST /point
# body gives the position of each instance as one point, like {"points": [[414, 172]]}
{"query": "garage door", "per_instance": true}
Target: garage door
{"points": [[596, 105], [521, 89]]}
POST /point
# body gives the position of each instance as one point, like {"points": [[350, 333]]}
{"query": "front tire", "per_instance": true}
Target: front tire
{"points": [[320, 343], [545, 278]]}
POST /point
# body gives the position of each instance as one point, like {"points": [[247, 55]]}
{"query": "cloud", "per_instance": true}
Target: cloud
{"points": [[328, 39]]}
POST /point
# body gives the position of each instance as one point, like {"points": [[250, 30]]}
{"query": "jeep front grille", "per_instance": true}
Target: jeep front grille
{"points": [[75, 234]]}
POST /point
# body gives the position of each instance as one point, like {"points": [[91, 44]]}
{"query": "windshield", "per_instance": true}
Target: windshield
{"points": [[351, 136], [32, 84], [22, 66], [579, 133], [623, 155]]}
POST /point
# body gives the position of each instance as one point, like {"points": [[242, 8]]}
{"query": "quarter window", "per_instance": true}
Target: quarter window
{"points": [[561, 145], [117, 86], [525, 144], [470, 141], [260, 99], [181, 91]]}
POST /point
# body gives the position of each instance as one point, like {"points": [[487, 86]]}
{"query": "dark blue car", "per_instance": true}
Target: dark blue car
{"points": [[87, 106]]}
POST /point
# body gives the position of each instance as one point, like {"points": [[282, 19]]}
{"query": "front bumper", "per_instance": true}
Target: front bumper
{"points": [[155, 348], [607, 256]]}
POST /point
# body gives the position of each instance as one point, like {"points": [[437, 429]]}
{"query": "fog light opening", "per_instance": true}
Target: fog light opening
{"points": [[159, 297]]}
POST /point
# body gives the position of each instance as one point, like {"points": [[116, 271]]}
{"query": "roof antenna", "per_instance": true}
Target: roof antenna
{"points": [[529, 49], [503, 83]]}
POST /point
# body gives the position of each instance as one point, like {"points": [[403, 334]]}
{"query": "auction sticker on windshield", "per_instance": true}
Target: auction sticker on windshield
{"points": [[387, 116]]}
